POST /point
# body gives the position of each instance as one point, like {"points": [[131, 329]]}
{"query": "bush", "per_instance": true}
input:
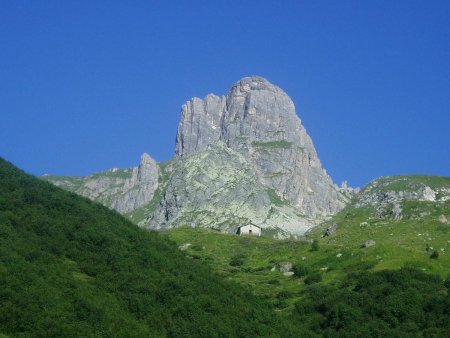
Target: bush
{"points": [[237, 260], [196, 247], [313, 278], [283, 295], [447, 282], [315, 245], [434, 255], [300, 270]]}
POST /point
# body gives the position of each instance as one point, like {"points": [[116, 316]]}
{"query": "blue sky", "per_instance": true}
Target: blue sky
{"points": [[90, 85]]}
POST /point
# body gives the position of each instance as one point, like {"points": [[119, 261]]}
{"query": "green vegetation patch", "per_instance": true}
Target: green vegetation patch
{"points": [[402, 303], [275, 198]]}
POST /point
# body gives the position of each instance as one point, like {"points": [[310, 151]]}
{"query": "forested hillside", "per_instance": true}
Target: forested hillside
{"points": [[70, 267]]}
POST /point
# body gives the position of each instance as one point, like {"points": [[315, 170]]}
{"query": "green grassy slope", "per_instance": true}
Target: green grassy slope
{"points": [[398, 243], [339, 292], [339, 276], [70, 267]]}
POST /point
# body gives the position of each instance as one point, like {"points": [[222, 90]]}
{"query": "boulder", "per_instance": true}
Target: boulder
{"points": [[286, 267], [369, 243], [331, 230], [184, 246], [443, 219]]}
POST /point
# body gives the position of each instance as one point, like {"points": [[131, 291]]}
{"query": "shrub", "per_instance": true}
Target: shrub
{"points": [[315, 245], [300, 270], [447, 282], [274, 281], [237, 260], [434, 255], [196, 247], [313, 278], [283, 295]]}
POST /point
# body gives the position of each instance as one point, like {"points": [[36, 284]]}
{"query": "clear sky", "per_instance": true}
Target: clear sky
{"points": [[90, 85]]}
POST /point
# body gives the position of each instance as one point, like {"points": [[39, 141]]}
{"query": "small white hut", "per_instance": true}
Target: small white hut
{"points": [[249, 230]]}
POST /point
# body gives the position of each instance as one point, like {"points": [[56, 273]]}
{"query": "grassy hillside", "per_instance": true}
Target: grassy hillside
{"points": [[70, 267], [336, 275], [335, 291], [398, 241]]}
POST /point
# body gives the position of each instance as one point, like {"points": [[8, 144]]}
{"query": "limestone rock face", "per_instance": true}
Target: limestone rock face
{"points": [[199, 124], [217, 188], [210, 187], [258, 120], [121, 189]]}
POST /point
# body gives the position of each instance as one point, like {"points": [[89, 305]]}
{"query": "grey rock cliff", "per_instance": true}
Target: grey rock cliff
{"points": [[199, 124], [258, 120], [121, 189], [217, 188]]}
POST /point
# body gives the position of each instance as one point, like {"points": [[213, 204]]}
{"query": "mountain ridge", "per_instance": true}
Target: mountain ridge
{"points": [[257, 128]]}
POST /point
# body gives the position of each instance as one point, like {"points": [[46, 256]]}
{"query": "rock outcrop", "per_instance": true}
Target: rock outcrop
{"points": [[442, 219], [123, 190], [369, 243], [330, 230], [258, 120], [217, 188], [386, 195]]}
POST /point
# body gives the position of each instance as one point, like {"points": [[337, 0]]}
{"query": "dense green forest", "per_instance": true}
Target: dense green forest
{"points": [[70, 267], [402, 303]]}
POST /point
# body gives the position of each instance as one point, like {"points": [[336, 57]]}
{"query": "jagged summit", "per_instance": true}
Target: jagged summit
{"points": [[255, 82], [147, 159], [258, 119], [254, 108]]}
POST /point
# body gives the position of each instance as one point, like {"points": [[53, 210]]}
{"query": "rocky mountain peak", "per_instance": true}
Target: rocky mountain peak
{"points": [[147, 160], [255, 82], [258, 120], [253, 108], [240, 158]]}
